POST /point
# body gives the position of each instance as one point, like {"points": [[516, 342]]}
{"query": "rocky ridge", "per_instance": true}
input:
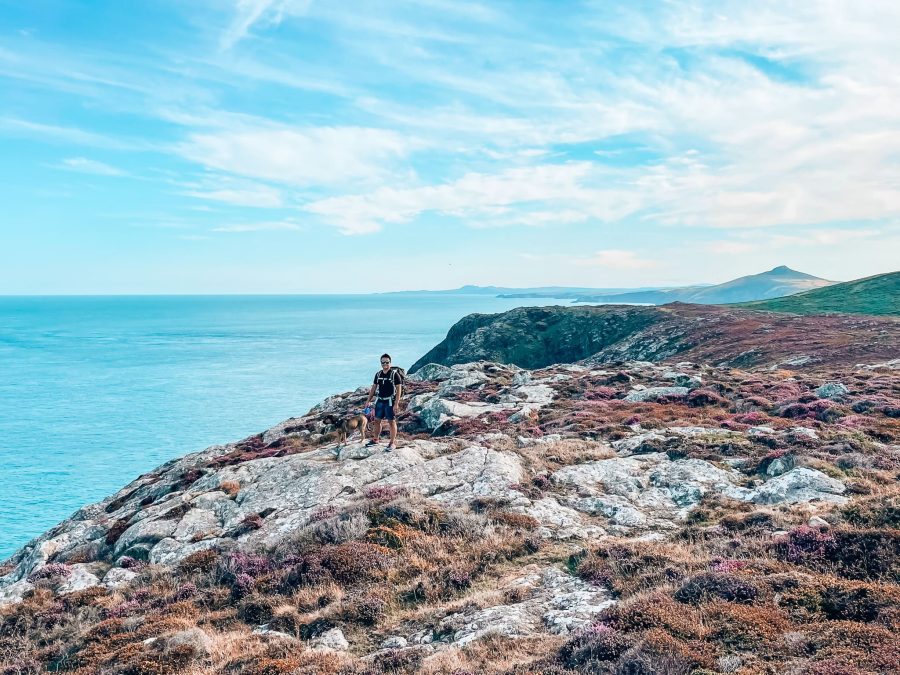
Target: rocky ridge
{"points": [[512, 511], [535, 337]]}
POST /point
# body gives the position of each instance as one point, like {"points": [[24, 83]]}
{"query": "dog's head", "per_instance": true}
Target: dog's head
{"points": [[331, 420]]}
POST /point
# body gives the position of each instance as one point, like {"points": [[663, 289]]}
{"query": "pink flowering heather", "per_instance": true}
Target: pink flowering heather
{"points": [[384, 492], [51, 571], [728, 566], [323, 513], [123, 609], [247, 563]]}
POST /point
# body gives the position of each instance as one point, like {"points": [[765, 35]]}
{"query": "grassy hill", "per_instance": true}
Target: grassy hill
{"points": [[775, 283], [873, 295]]}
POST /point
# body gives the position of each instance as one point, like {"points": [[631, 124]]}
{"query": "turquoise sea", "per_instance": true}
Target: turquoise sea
{"points": [[97, 390]]}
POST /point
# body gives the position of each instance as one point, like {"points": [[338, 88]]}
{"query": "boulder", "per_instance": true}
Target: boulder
{"points": [[80, 577], [832, 390], [332, 639], [655, 393], [118, 577], [14, 592], [431, 371], [800, 485]]}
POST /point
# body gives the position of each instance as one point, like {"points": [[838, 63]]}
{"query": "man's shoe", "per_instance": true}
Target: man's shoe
{"points": [[371, 443], [390, 447]]}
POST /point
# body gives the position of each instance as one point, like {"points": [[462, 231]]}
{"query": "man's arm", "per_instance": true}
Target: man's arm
{"points": [[371, 394]]}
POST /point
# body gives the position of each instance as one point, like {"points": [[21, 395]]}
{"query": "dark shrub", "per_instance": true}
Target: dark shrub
{"points": [[306, 571], [647, 658], [118, 528], [185, 592], [749, 521], [598, 642], [367, 609], [356, 561], [22, 665], [874, 512], [867, 554], [255, 610], [804, 543], [245, 563], [401, 660], [199, 561], [859, 603], [713, 584], [699, 398]]}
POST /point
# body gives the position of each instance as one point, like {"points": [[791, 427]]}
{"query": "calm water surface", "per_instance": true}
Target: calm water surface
{"points": [[97, 390]]}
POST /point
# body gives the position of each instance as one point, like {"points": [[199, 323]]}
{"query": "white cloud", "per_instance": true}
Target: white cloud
{"points": [[250, 12], [58, 134], [298, 156], [616, 259], [476, 198], [276, 225], [85, 165], [260, 196], [730, 247], [749, 242]]}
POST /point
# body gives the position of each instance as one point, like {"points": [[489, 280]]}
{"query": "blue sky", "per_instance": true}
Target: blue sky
{"points": [[282, 146]]}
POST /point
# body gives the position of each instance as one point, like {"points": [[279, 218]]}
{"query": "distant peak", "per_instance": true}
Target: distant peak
{"points": [[783, 271]]}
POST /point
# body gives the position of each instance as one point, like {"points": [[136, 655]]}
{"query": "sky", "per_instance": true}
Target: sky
{"points": [[305, 146]]}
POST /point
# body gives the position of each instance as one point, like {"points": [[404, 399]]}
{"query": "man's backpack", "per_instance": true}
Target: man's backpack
{"points": [[402, 373]]}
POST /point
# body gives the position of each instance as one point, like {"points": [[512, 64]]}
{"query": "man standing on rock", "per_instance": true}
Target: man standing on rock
{"points": [[386, 388]]}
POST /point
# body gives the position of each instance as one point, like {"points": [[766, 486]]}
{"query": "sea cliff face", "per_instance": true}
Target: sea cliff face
{"points": [[583, 517], [535, 337]]}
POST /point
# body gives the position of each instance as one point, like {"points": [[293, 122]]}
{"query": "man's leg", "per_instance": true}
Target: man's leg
{"points": [[393, 433], [377, 432]]}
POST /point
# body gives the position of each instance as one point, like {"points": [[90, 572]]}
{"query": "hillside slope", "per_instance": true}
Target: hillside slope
{"points": [[877, 295], [534, 337], [672, 518], [775, 283]]}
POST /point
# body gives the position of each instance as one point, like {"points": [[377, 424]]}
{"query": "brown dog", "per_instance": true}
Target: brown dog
{"points": [[347, 426]]}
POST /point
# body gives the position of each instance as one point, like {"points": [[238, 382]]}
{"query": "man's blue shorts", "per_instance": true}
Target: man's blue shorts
{"points": [[384, 410]]}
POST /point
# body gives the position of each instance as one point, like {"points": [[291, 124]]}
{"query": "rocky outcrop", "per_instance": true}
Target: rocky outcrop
{"points": [[543, 505], [200, 501], [534, 337]]}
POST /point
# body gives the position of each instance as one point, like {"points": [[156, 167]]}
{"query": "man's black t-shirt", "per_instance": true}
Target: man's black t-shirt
{"points": [[387, 383]]}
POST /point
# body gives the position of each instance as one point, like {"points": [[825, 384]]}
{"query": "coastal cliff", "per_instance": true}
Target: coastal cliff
{"points": [[534, 337], [681, 516]]}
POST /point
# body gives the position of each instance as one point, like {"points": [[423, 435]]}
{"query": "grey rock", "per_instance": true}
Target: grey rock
{"points": [[560, 522], [394, 642], [653, 393], [431, 371], [192, 637], [265, 631], [81, 576], [118, 577], [553, 601], [780, 465], [832, 390], [332, 639], [800, 485], [731, 663], [816, 521], [14, 592], [648, 490]]}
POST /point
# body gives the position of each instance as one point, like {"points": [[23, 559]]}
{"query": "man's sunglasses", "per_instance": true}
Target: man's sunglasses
{"points": [[383, 362]]}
